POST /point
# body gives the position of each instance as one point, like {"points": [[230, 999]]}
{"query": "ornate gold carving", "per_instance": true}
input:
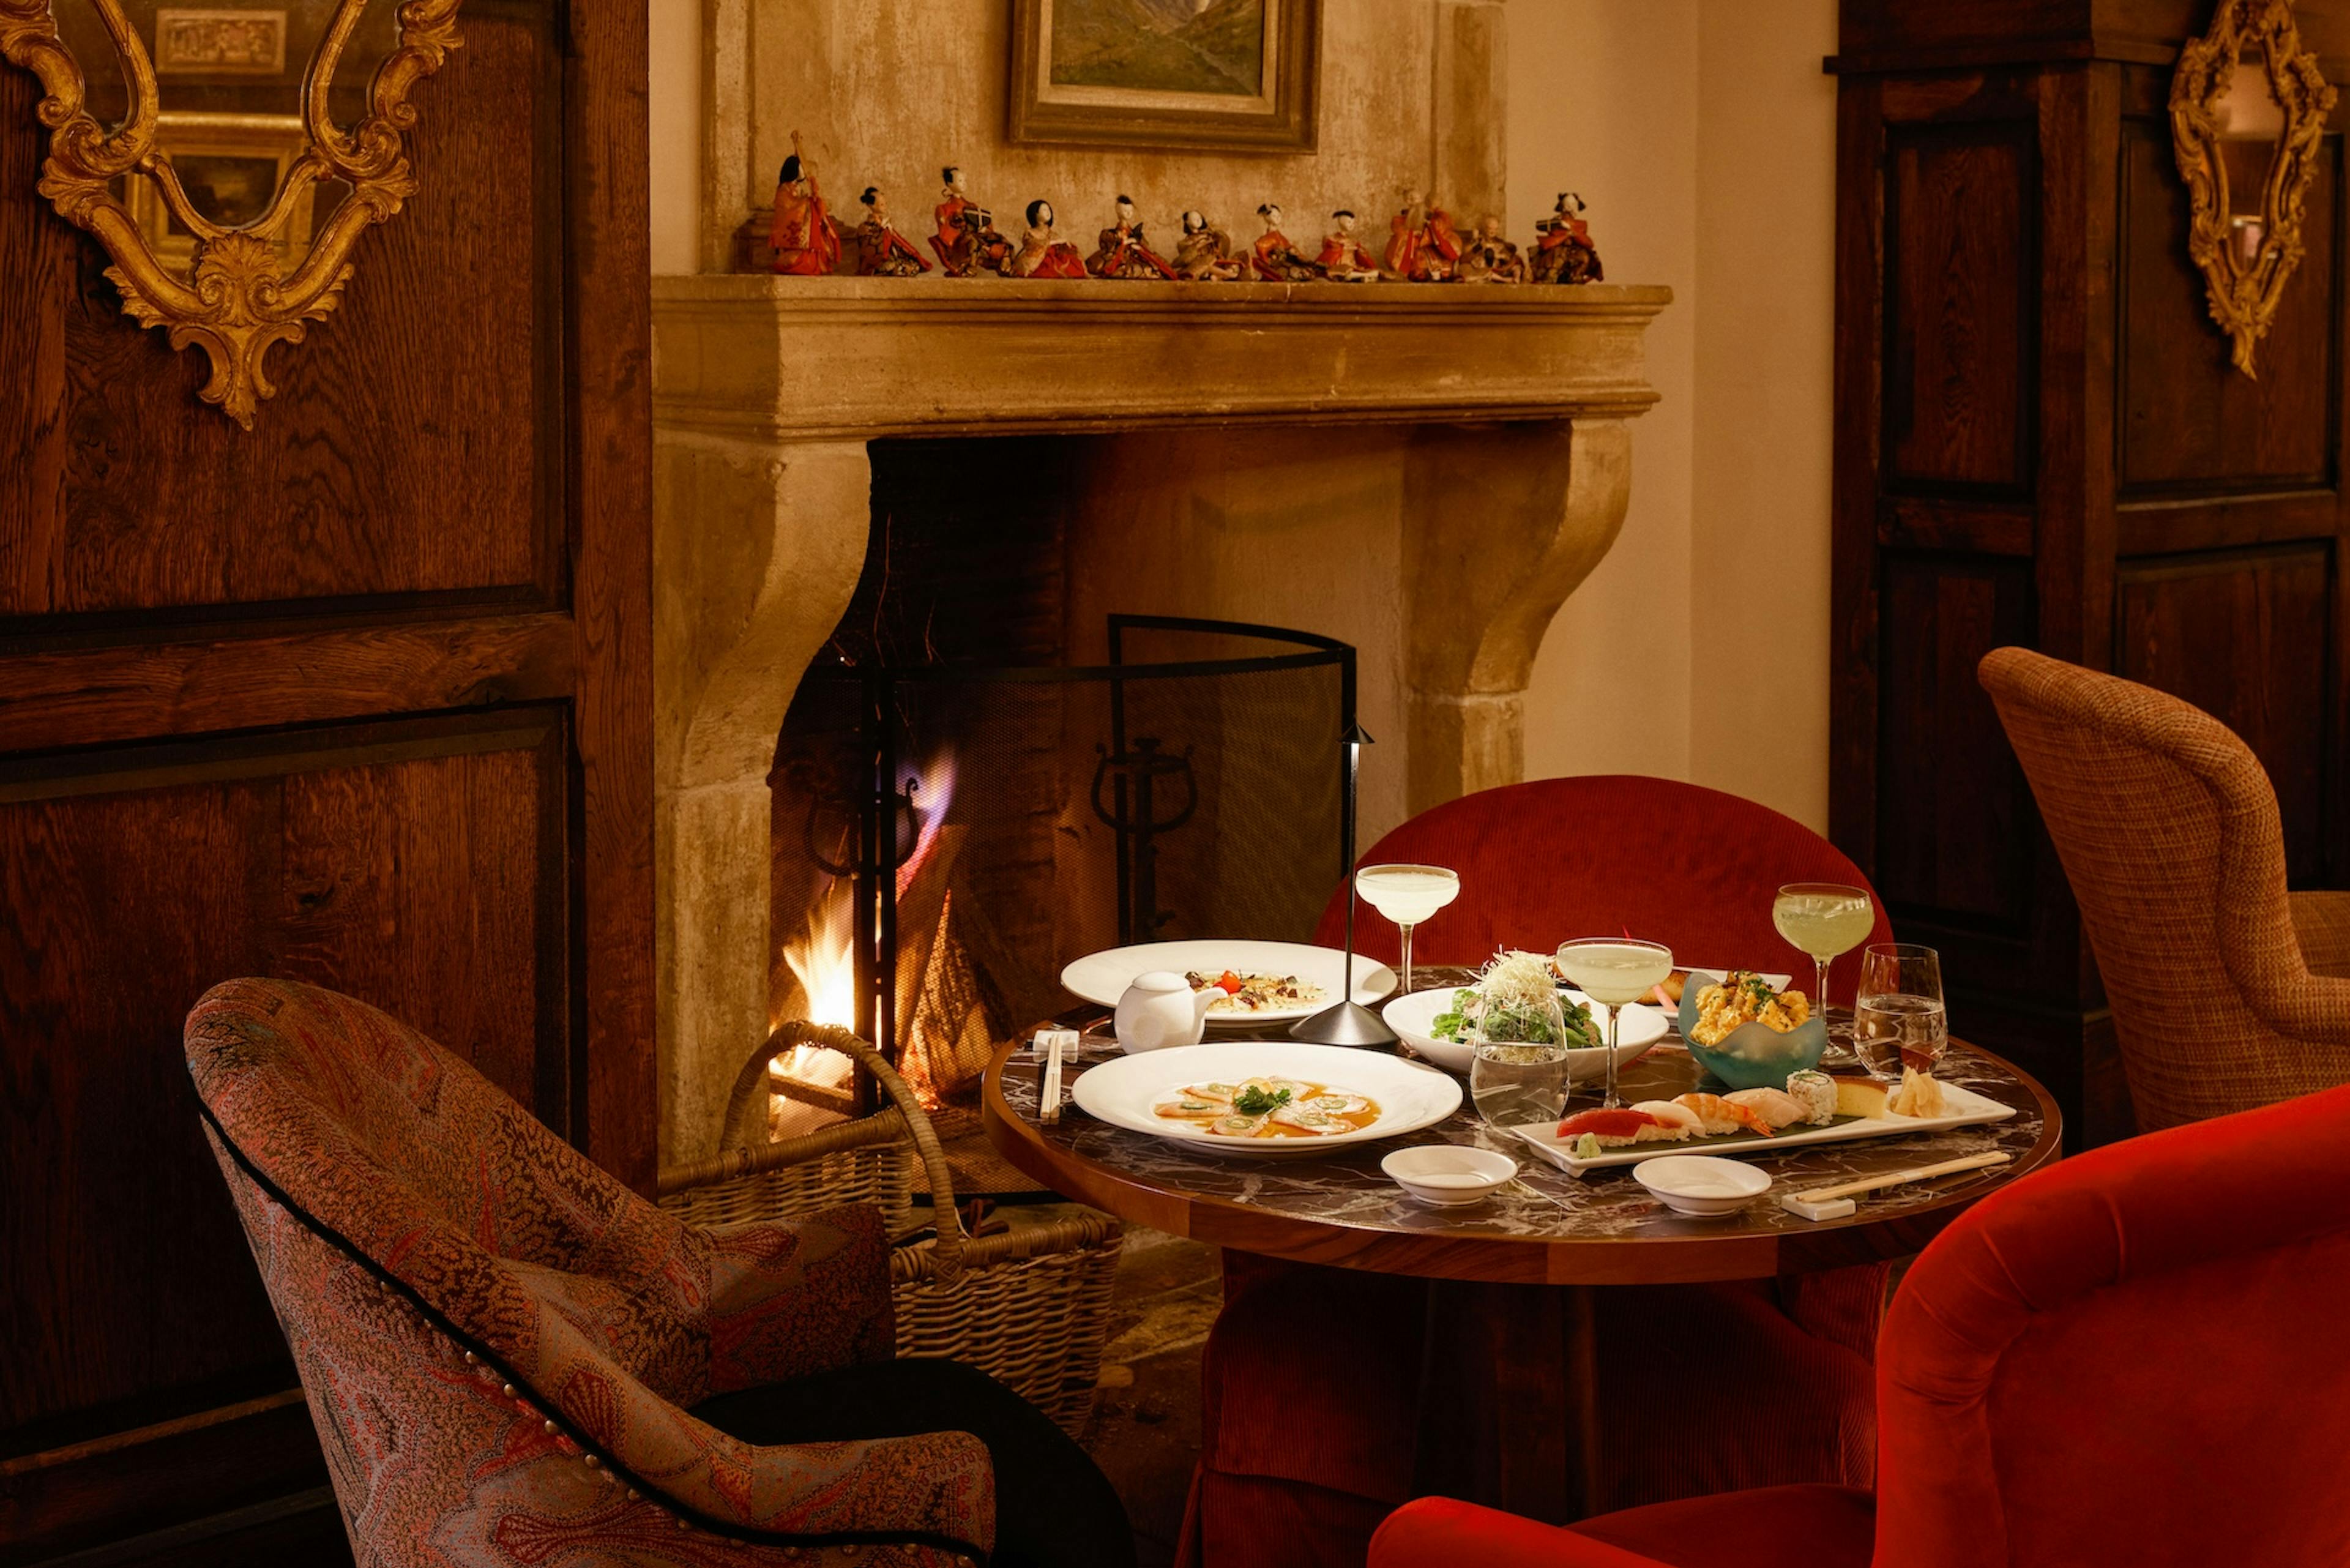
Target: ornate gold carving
{"points": [[233, 300], [2244, 268]]}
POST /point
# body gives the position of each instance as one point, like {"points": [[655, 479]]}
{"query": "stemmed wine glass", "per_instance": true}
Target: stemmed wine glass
{"points": [[1825, 919], [1407, 894], [1899, 1018], [1614, 971]]}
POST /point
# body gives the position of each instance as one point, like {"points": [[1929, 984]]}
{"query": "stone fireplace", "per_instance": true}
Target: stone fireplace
{"points": [[1426, 473]]}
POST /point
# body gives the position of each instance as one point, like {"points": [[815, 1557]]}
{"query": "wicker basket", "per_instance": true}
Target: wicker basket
{"points": [[1030, 1307]]}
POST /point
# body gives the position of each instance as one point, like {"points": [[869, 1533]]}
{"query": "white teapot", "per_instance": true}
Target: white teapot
{"points": [[1160, 1009]]}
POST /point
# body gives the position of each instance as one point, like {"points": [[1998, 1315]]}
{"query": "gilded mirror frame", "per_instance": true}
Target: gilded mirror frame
{"points": [[237, 296], [2243, 291]]}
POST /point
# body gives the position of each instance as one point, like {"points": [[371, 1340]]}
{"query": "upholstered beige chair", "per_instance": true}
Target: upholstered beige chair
{"points": [[2228, 991]]}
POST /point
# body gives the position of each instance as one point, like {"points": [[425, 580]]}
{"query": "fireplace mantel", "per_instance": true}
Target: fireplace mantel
{"points": [[1511, 446], [814, 359]]}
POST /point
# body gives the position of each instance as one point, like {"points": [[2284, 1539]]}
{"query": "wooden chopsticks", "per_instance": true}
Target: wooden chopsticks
{"points": [[1834, 1202]]}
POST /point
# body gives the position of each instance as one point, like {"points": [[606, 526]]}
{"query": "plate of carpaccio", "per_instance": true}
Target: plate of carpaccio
{"points": [[1813, 1108]]}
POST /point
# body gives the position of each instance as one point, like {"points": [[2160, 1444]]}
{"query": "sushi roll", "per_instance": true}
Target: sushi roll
{"points": [[1816, 1093]]}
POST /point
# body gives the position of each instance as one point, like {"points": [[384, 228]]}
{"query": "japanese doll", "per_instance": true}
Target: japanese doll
{"points": [[882, 250], [807, 244], [1204, 254], [1041, 254], [966, 241], [1123, 252], [1274, 257], [1565, 252], [1489, 258], [1422, 245], [1344, 258]]}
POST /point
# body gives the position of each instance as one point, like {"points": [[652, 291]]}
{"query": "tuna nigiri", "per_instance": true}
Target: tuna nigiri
{"points": [[1613, 1129], [1776, 1106], [1720, 1116]]}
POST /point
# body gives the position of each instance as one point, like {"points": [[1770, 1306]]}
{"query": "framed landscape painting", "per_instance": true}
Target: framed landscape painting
{"points": [[1234, 74]]}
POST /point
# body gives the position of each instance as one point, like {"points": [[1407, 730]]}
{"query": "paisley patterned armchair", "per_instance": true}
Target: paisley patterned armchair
{"points": [[500, 1344]]}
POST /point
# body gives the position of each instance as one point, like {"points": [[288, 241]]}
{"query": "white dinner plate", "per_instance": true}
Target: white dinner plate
{"points": [[1122, 1090], [1410, 1017], [1103, 977]]}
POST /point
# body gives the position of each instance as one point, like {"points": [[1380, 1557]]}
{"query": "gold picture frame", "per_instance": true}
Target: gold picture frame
{"points": [[258, 149], [2247, 252], [1237, 76], [219, 43]]}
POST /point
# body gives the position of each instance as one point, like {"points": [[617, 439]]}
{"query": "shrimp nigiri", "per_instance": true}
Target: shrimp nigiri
{"points": [[1719, 1115], [1776, 1106]]}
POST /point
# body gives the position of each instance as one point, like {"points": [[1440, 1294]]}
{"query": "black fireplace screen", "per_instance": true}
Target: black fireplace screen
{"points": [[949, 837]]}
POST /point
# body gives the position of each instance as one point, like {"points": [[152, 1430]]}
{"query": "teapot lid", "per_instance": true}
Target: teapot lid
{"points": [[1160, 980]]}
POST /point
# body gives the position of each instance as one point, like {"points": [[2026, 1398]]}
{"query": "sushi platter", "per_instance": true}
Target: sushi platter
{"points": [[1961, 1107]]}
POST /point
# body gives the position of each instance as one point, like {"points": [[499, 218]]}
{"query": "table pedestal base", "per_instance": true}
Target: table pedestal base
{"points": [[1509, 1398]]}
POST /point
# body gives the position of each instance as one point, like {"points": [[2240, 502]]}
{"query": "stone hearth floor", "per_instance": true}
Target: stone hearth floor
{"points": [[1146, 1427]]}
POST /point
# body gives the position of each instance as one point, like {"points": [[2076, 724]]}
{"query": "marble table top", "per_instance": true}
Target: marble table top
{"points": [[1547, 1225]]}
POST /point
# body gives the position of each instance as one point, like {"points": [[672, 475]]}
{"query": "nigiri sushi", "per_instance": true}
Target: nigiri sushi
{"points": [[1672, 1115], [1716, 1114], [1773, 1106], [1614, 1129]]}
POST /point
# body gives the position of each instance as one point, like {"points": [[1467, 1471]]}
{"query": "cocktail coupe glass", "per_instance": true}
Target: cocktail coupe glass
{"points": [[1407, 894], [1614, 971], [1825, 919], [1899, 1017]]}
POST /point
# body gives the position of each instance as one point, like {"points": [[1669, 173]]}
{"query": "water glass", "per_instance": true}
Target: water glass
{"points": [[1518, 1073], [1898, 1019]]}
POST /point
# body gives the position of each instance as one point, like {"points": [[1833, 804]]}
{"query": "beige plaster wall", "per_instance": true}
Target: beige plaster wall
{"points": [[1765, 343], [1603, 100], [1702, 132], [674, 110]]}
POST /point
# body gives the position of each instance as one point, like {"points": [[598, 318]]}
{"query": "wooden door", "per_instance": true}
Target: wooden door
{"points": [[360, 697]]}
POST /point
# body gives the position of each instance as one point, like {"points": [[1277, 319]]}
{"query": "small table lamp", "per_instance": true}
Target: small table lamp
{"points": [[1347, 1021]]}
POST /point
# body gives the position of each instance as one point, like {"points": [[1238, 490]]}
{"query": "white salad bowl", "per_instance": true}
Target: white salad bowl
{"points": [[1411, 1016], [1700, 1186], [1450, 1175]]}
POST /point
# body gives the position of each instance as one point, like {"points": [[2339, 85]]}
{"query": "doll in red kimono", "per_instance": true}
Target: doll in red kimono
{"points": [[1275, 259], [1042, 255], [882, 250], [1422, 245], [1565, 252], [806, 243], [1123, 252], [966, 241], [1344, 258]]}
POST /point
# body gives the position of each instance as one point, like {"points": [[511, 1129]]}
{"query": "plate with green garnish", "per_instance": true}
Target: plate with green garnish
{"points": [[1437, 1024], [1266, 1097]]}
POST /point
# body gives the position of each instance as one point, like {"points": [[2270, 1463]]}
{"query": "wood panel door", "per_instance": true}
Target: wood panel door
{"points": [[360, 697], [2041, 440]]}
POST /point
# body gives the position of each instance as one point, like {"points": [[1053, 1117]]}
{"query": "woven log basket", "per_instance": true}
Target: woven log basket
{"points": [[1030, 1306]]}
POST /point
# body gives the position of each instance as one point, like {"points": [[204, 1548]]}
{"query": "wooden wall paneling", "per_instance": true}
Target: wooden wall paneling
{"points": [[1959, 282], [361, 697], [2244, 636]]}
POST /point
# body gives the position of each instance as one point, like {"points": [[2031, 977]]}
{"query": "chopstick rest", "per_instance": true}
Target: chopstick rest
{"points": [[1835, 1202]]}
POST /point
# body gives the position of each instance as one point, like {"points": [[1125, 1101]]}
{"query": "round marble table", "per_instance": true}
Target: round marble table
{"points": [[1518, 1378]]}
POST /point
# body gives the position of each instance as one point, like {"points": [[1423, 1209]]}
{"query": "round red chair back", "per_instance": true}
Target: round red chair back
{"points": [[1550, 859]]}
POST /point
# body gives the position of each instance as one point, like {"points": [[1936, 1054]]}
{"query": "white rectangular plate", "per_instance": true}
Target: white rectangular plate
{"points": [[1966, 1108]]}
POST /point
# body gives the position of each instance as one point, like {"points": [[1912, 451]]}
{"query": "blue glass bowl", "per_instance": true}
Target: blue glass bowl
{"points": [[1755, 1056]]}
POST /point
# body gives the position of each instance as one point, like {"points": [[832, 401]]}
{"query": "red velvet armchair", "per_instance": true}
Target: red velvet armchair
{"points": [[2131, 1357], [499, 1342], [1296, 1472]]}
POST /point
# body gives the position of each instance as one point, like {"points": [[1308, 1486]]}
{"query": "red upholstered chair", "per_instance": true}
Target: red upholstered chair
{"points": [[1298, 1470], [498, 1341], [2130, 1357]]}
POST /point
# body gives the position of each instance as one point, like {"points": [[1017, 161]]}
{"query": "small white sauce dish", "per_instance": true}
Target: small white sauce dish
{"points": [[1700, 1186], [1449, 1175]]}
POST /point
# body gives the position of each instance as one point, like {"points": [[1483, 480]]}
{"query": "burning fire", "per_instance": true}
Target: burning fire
{"points": [[824, 960]]}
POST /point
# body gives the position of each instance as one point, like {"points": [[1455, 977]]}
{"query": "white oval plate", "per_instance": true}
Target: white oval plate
{"points": [[1121, 1091], [1410, 1017], [1103, 977]]}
